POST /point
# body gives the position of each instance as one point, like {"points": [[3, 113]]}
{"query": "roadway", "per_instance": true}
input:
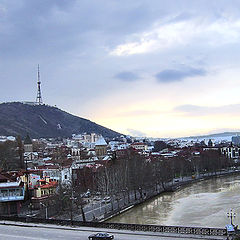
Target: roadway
{"points": [[97, 210], [25, 231]]}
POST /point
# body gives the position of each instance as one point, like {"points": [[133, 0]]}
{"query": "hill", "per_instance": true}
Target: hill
{"points": [[224, 136], [45, 121]]}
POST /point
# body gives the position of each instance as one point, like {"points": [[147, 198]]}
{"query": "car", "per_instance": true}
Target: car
{"points": [[107, 198], [97, 198], [101, 236]]}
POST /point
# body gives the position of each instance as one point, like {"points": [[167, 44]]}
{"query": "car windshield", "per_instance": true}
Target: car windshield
{"points": [[102, 235]]}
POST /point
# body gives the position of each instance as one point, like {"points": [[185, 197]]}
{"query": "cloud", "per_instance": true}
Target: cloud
{"points": [[222, 130], [195, 110], [181, 17], [136, 133], [180, 31], [127, 76], [71, 40], [142, 112], [173, 75]]}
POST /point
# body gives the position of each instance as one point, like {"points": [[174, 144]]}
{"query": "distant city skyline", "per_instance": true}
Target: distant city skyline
{"points": [[144, 68]]}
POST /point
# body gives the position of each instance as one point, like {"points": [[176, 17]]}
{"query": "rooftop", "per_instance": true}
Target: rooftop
{"points": [[101, 142]]}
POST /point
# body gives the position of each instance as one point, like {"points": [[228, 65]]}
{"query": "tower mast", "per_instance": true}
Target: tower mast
{"points": [[39, 95]]}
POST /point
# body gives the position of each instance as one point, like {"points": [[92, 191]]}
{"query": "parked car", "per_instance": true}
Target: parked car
{"points": [[97, 198], [106, 200], [101, 236]]}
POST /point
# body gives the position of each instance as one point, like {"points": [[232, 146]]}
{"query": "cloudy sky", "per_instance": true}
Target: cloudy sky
{"points": [[141, 67]]}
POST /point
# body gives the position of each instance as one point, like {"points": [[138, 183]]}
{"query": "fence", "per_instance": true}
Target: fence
{"points": [[123, 226]]}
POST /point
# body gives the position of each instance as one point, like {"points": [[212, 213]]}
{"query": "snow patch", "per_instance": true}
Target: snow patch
{"points": [[43, 119]]}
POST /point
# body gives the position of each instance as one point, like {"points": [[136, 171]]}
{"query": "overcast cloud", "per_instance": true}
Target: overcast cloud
{"points": [[194, 110], [173, 75], [88, 49], [127, 76]]}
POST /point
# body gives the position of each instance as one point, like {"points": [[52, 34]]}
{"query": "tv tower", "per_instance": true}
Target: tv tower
{"points": [[39, 95]]}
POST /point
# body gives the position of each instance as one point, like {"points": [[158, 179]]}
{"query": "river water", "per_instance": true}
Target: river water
{"points": [[204, 203]]}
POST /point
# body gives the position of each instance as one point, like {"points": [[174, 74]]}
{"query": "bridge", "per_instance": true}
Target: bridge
{"points": [[34, 228]]}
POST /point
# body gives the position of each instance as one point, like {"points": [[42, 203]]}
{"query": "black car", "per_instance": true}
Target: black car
{"points": [[101, 236]]}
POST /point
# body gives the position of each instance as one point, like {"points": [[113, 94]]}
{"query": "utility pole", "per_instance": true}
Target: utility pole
{"points": [[39, 95]]}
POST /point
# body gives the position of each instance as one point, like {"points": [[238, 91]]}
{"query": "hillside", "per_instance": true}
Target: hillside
{"points": [[224, 136], [44, 121]]}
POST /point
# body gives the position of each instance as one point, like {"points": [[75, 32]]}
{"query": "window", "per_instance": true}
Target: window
{"points": [[11, 192], [5, 193]]}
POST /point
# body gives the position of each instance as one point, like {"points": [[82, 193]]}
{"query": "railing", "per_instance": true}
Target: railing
{"points": [[123, 226]]}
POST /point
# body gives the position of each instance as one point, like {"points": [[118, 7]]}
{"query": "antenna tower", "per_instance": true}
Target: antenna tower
{"points": [[39, 95]]}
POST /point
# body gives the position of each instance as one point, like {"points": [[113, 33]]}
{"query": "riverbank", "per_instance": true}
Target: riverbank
{"points": [[170, 187]]}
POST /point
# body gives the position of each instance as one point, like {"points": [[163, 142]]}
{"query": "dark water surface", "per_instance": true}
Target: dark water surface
{"points": [[205, 203]]}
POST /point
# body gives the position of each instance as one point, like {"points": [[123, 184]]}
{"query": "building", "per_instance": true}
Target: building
{"points": [[28, 145], [231, 151], [139, 146], [101, 147], [43, 191], [12, 194], [236, 140]]}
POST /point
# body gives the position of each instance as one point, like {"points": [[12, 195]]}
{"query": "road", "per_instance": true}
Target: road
{"points": [[96, 209], [26, 231]]}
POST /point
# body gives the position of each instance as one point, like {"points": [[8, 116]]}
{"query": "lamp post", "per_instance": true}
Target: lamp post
{"points": [[31, 207], [72, 198], [128, 194], [231, 215], [46, 211]]}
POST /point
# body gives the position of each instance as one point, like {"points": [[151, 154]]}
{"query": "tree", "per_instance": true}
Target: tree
{"points": [[9, 159], [159, 145]]}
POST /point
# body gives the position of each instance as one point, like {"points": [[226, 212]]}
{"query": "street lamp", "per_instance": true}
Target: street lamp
{"points": [[72, 198], [231, 215], [45, 209], [31, 207]]}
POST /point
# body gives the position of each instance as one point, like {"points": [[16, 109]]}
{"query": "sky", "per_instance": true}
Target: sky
{"points": [[149, 68]]}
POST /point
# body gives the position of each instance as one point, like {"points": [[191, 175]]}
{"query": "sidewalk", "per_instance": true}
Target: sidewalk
{"points": [[113, 231]]}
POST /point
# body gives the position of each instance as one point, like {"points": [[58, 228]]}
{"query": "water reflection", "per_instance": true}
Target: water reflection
{"points": [[202, 204]]}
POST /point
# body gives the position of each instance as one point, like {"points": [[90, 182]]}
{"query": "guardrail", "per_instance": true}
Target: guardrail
{"points": [[123, 226]]}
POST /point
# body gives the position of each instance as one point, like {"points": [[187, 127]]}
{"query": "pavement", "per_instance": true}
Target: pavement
{"points": [[16, 230]]}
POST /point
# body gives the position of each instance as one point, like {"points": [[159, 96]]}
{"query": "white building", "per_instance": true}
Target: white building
{"points": [[231, 151]]}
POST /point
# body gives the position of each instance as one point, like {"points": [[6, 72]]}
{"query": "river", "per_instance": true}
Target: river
{"points": [[204, 203]]}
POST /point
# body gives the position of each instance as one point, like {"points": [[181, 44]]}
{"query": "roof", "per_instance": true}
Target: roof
{"points": [[138, 143], [49, 185], [9, 184], [101, 142], [48, 167]]}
